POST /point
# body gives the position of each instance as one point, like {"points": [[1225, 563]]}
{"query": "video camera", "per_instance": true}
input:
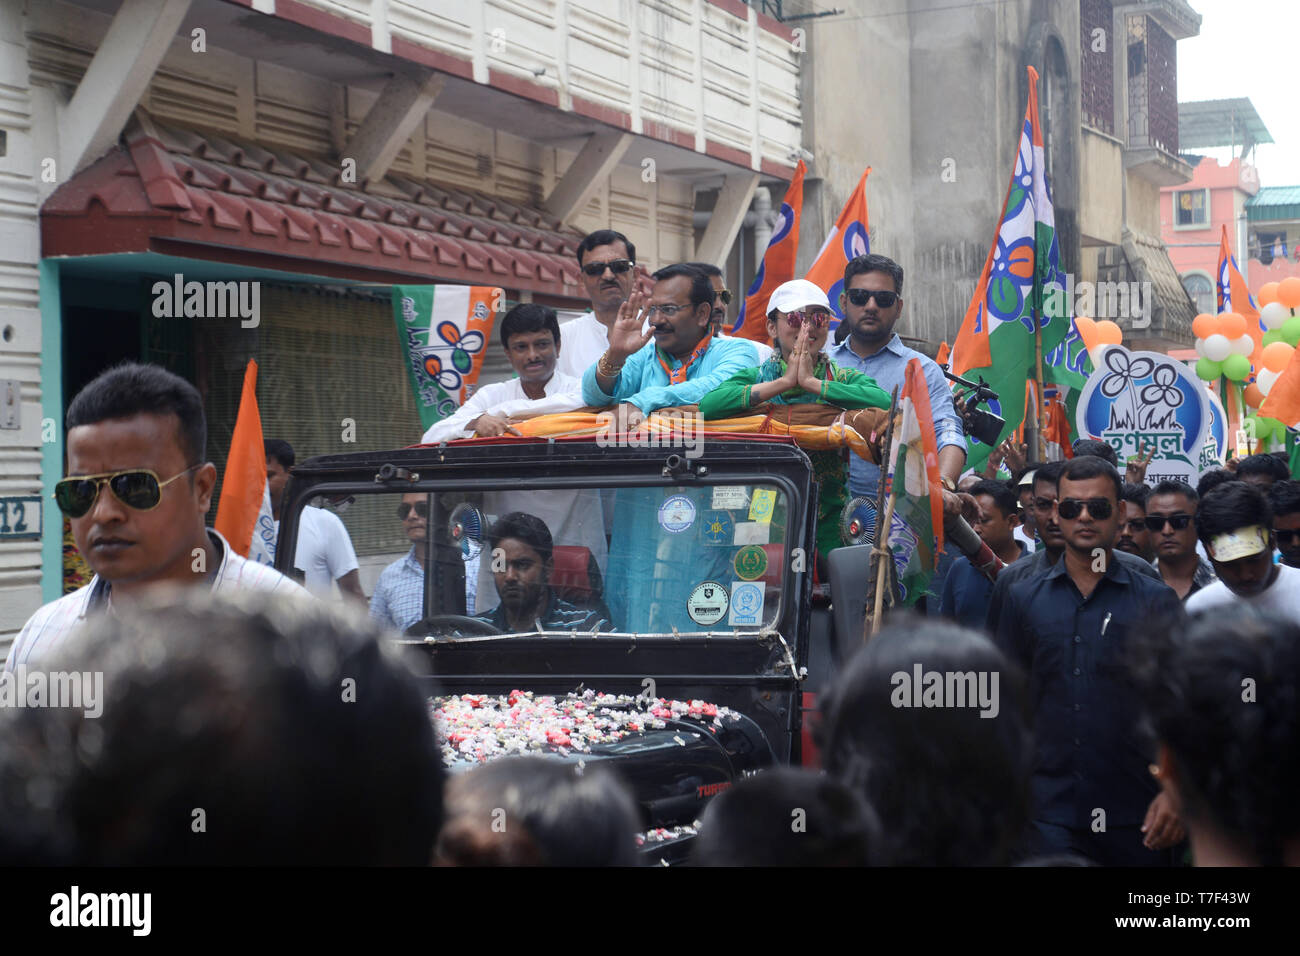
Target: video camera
{"points": [[977, 422]]}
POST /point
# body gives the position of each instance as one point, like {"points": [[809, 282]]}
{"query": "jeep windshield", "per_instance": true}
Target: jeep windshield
{"points": [[628, 556]]}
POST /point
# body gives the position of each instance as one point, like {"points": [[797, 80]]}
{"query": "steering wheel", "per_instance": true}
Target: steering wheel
{"points": [[441, 623]]}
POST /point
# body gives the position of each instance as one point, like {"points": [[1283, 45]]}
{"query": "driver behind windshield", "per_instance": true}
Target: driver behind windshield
{"points": [[520, 554]]}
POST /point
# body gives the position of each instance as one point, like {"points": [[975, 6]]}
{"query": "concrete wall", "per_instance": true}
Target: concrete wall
{"points": [[1143, 204], [1101, 215]]}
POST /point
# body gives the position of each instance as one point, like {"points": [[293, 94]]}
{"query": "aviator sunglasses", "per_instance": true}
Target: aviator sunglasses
{"points": [[421, 509], [884, 299], [1071, 508], [815, 319], [1157, 522], [616, 266], [137, 488]]}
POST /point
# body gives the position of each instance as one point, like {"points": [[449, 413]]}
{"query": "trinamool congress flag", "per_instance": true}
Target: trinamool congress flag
{"points": [[777, 265], [244, 512], [916, 530], [1234, 296], [848, 239], [1020, 285], [443, 331]]}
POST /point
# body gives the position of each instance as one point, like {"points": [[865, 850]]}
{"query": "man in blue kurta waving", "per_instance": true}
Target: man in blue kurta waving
{"points": [[682, 364]]}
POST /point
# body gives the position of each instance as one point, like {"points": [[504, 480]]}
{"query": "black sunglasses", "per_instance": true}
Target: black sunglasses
{"points": [[1178, 521], [421, 509], [884, 299], [138, 488], [1071, 508], [1285, 537], [616, 266]]}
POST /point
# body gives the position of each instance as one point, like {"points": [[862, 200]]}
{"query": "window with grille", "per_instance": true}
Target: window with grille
{"points": [[1191, 208]]}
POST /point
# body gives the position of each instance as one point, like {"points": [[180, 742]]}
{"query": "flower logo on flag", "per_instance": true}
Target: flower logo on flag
{"points": [[447, 363], [1012, 277]]}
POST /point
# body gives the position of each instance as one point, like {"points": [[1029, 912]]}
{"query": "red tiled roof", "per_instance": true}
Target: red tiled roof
{"points": [[204, 196]]}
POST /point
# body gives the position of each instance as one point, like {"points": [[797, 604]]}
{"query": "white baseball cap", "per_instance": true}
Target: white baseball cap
{"points": [[795, 295]]}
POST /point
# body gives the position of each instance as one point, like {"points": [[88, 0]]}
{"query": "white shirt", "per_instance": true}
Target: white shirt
{"points": [[324, 553], [1024, 538], [507, 400], [49, 628], [1281, 598], [582, 342]]}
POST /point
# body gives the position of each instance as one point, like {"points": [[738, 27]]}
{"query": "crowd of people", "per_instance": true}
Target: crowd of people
{"points": [[1140, 643]]}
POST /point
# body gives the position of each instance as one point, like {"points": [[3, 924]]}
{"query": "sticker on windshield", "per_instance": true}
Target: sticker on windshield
{"points": [[708, 603], [718, 528], [761, 505], [746, 604], [752, 532], [730, 497], [677, 514], [751, 562]]}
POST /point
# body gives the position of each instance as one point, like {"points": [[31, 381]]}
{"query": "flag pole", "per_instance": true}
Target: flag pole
{"points": [[1039, 422], [878, 554], [882, 563]]}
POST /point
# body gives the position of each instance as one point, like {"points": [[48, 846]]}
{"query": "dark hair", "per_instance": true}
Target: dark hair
{"points": [[555, 814], [1234, 763], [133, 388], [604, 237], [950, 784], [701, 288], [1263, 464], [786, 817], [1177, 488], [1085, 467], [1213, 478], [529, 317], [527, 528], [1136, 494], [1008, 501], [1233, 505], [238, 704], [871, 262], [1048, 474], [708, 268], [1092, 448], [1284, 497], [279, 450]]}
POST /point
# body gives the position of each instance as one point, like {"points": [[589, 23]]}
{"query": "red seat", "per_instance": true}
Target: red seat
{"points": [[571, 567]]}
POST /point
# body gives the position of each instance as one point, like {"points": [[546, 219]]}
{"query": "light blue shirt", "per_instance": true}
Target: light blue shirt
{"points": [[644, 383], [888, 367]]}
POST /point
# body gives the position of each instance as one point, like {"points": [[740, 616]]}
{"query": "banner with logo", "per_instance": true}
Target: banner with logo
{"points": [[1138, 401], [777, 266], [443, 330]]}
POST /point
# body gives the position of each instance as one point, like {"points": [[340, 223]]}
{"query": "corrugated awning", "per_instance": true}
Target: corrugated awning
{"points": [[182, 192], [1273, 203]]}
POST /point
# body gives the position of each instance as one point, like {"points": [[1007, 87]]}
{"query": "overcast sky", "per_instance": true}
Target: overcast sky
{"points": [[1250, 48]]}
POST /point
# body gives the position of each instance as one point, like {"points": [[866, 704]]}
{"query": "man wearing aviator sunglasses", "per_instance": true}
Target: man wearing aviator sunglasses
{"points": [[1171, 521], [871, 302], [1069, 628], [136, 495], [608, 271]]}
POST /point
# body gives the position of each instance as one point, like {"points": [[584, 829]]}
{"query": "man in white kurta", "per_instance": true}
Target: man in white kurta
{"points": [[531, 336], [612, 257]]}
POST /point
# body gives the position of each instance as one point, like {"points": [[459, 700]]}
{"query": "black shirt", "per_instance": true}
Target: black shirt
{"points": [[1087, 753]]}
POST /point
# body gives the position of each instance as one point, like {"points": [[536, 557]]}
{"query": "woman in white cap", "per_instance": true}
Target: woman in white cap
{"points": [[798, 373]]}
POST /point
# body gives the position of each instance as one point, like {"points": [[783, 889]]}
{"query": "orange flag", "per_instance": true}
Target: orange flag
{"points": [[777, 265], [1283, 399], [245, 500], [944, 351], [848, 239], [1234, 296]]}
